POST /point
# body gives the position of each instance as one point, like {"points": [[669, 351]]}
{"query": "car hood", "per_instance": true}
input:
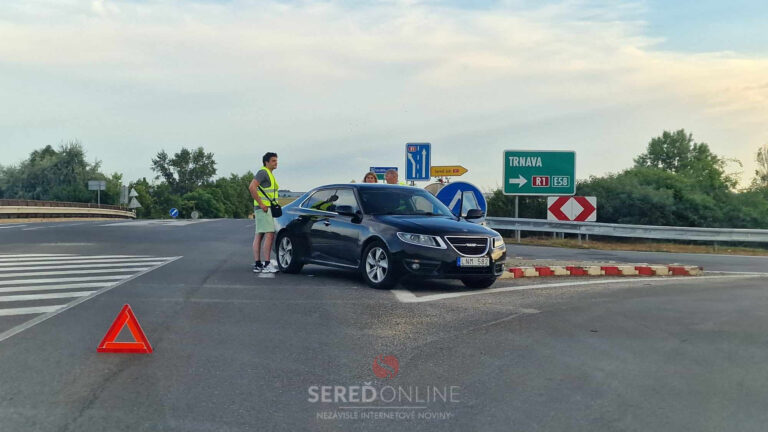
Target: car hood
{"points": [[435, 225]]}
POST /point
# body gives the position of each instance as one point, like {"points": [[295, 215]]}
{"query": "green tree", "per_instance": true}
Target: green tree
{"points": [[236, 197], [678, 153], [186, 170], [533, 207], [761, 173], [49, 174], [209, 202]]}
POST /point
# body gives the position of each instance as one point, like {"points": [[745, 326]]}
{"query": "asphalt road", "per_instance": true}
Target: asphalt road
{"points": [[237, 352]]}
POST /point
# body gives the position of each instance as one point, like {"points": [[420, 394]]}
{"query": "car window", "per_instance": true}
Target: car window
{"points": [[402, 201], [320, 200], [346, 198], [469, 202], [421, 204]]}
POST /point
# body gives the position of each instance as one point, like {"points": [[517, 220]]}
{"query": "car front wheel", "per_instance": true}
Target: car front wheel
{"points": [[378, 267], [288, 259]]}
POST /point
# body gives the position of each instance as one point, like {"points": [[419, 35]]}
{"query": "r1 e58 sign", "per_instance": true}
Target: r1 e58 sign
{"points": [[528, 172]]}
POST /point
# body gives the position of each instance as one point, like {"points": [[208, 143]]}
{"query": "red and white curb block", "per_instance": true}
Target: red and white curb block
{"points": [[617, 270]]}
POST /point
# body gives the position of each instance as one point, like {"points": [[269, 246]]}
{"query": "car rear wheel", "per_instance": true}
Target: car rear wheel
{"points": [[378, 267], [288, 259], [476, 283]]}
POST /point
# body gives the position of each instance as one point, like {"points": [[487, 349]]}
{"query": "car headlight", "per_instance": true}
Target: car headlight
{"points": [[498, 242], [422, 240]]}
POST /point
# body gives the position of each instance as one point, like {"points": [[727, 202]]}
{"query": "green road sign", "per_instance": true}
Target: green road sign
{"points": [[539, 172]]}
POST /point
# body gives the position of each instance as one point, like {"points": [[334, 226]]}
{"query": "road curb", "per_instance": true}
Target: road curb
{"points": [[611, 270]]}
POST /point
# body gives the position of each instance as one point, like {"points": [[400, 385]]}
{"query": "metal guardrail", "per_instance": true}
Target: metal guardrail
{"points": [[15, 209], [35, 203], [636, 231]]}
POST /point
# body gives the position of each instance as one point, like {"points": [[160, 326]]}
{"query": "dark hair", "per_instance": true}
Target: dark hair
{"points": [[267, 156]]}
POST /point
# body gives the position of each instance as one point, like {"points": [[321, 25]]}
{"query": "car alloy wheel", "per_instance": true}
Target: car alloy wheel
{"points": [[376, 265], [289, 254], [285, 252]]}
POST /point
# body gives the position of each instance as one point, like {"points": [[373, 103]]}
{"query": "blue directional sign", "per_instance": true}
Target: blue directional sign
{"points": [[418, 158], [461, 192], [174, 213], [380, 171]]}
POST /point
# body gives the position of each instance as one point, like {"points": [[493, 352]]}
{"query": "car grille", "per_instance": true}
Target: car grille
{"points": [[472, 246]]}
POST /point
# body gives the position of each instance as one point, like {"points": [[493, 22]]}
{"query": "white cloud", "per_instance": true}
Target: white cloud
{"points": [[335, 88]]}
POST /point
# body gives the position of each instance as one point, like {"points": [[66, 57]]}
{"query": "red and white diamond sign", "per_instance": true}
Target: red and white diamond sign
{"points": [[577, 208]]}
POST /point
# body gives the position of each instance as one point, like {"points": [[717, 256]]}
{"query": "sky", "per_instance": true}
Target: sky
{"points": [[335, 87]]}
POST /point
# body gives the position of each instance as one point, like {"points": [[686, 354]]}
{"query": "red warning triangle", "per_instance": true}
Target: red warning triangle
{"points": [[141, 345]]}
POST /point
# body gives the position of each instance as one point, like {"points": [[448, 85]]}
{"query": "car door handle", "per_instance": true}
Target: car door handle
{"points": [[327, 222]]}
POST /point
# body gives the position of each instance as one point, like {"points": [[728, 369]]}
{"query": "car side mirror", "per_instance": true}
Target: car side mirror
{"points": [[346, 210], [474, 214]]}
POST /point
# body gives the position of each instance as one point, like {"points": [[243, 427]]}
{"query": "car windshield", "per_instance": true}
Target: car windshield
{"points": [[401, 201]]}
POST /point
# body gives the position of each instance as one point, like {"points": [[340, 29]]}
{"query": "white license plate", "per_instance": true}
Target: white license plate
{"points": [[473, 262]]}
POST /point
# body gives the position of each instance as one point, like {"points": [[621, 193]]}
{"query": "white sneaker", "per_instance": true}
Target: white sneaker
{"points": [[270, 268]]}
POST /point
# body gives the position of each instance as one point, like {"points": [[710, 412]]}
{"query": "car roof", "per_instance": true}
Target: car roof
{"points": [[361, 185]]}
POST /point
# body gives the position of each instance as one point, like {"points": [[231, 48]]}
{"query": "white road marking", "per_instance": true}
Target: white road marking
{"points": [[70, 279], [34, 255], [55, 287], [74, 266], [65, 272], [738, 273], [46, 312], [46, 296], [14, 226], [19, 258], [30, 310], [405, 296], [77, 261]]}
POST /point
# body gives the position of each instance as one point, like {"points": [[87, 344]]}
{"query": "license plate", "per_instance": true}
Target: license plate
{"points": [[473, 262]]}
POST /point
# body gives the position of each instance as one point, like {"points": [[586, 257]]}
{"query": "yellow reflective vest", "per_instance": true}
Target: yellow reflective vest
{"points": [[271, 193]]}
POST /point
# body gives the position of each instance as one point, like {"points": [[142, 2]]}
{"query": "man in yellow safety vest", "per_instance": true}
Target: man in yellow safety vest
{"points": [[263, 189], [391, 177]]}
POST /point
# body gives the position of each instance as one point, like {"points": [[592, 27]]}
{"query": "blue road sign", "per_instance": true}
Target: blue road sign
{"points": [[174, 213], [418, 158], [380, 171], [461, 192]]}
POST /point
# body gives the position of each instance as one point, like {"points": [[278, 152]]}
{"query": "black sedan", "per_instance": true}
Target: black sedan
{"points": [[387, 232]]}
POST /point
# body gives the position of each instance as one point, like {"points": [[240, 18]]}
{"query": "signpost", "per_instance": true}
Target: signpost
{"points": [[447, 171], [380, 171], [578, 208], [97, 185], [462, 194], [417, 161], [124, 194], [540, 172]]}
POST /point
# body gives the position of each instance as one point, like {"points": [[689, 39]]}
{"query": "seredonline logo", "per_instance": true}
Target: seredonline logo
{"points": [[390, 402]]}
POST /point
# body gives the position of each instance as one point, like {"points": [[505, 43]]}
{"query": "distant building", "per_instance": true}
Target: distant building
{"points": [[285, 193]]}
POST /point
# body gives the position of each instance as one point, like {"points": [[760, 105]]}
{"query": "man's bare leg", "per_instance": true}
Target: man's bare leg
{"points": [[257, 247], [268, 239]]}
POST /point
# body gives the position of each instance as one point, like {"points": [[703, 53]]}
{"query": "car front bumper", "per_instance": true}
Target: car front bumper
{"points": [[426, 262]]}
